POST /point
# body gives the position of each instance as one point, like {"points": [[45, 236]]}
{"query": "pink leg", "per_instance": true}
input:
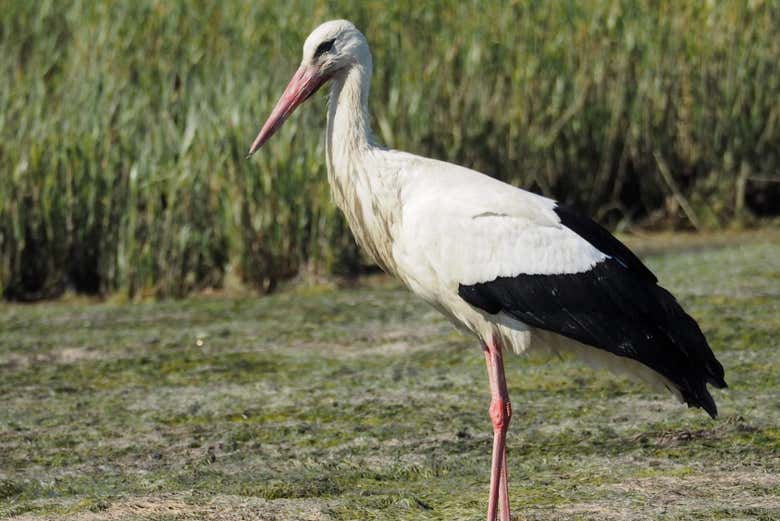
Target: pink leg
{"points": [[503, 489], [500, 413]]}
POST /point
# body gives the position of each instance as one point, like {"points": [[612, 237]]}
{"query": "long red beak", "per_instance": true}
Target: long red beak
{"points": [[303, 84]]}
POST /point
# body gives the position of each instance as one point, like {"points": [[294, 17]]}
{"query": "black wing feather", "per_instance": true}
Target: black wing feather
{"points": [[616, 306], [599, 237]]}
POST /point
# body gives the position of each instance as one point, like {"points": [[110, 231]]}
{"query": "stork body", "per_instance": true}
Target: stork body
{"points": [[516, 269]]}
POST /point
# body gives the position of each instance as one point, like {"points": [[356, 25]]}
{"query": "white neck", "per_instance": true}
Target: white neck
{"points": [[359, 181], [349, 128]]}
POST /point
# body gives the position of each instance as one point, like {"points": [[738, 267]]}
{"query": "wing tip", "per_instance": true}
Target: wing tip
{"points": [[716, 374], [701, 398]]}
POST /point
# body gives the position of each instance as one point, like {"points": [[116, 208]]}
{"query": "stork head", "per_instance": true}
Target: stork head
{"points": [[330, 49]]}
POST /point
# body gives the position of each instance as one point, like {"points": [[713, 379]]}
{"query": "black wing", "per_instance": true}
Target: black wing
{"points": [[616, 306]]}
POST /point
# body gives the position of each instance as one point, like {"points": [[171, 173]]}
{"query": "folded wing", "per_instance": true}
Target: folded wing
{"points": [[615, 305]]}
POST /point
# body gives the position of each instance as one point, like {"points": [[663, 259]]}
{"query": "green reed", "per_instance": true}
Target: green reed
{"points": [[124, 126]]}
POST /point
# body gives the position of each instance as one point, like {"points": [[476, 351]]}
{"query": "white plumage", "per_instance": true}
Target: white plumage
{"points": [[436, 225], [507, 265]]}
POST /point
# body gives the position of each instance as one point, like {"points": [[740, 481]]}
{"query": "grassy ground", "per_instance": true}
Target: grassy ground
{"points": [[363, 404]]}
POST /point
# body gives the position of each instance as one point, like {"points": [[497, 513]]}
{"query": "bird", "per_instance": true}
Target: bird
{"points": [[521, 272]]}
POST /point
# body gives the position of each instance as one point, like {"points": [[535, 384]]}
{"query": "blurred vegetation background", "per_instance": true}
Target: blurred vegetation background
{"points": [[124, 126]]}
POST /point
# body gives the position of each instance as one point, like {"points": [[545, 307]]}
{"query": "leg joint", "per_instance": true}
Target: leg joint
{"points": [[500, 413]]}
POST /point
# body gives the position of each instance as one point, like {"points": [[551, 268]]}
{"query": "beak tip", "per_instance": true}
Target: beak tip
{"points": [[254, 148]]}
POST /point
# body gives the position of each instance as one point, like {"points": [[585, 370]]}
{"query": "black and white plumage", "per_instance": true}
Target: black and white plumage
{"points": [[514, 268], [617, 306], [541, 277]]}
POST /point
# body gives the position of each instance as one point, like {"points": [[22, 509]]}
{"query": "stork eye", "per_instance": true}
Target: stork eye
{"points": [[324, 47]]}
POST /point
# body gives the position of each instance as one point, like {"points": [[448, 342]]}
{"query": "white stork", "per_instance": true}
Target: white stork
{"points": [[517, 270]]}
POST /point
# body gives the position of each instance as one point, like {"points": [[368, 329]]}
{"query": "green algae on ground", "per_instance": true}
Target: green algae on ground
{"points": [[364, 404]]}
